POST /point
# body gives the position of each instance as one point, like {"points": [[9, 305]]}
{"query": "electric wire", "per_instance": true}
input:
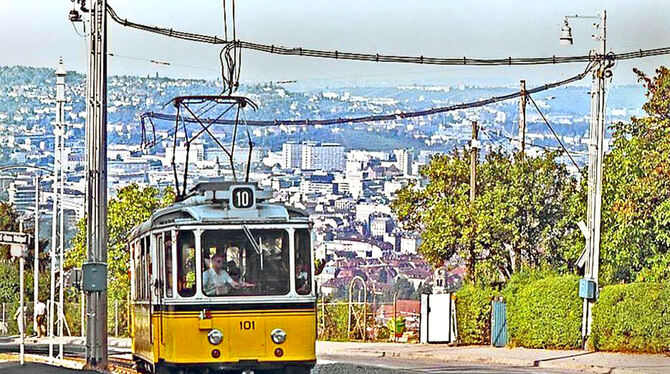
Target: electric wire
{"points": [[383, 117], [552, 130], [423, 60]]}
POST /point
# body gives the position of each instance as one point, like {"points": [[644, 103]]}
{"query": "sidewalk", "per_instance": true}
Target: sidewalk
{"points": [[598, 362]]}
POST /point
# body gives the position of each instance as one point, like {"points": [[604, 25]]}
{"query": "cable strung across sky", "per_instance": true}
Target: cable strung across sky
{"points": [[373, 118], [422, 60]]}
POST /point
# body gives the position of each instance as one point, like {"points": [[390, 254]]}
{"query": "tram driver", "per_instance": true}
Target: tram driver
{"points": [[216, 281]]}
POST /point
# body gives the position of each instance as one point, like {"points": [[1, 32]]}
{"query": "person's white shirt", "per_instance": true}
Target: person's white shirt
{"points": [[216, 283], [40, 308]]}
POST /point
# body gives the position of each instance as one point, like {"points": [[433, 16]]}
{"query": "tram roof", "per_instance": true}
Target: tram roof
{"points": [[203, 207]]}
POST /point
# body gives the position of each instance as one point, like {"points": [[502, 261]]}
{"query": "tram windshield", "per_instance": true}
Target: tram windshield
{"points": [[245, 262]]}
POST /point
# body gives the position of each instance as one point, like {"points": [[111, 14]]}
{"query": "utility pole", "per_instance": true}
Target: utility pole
{"points": [[95, 269], [595, 178], [590, 257], [474, 154], [36, 262], [522, 119]]}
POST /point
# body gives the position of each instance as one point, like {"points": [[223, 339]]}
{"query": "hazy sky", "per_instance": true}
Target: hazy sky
{"points": [[37, 32]]}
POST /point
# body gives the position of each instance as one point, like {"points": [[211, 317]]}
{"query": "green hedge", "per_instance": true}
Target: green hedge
{"points": [[545, 313], [473, 314], [632, 317]]}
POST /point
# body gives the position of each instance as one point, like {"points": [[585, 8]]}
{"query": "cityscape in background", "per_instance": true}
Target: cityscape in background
{"points": [[345, 176]]}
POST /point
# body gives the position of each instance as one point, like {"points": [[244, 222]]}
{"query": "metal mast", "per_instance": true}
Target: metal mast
{"points": [[36, 260], [95, 270], [58, 133]]}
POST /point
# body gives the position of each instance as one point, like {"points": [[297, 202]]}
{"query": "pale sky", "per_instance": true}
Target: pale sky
{"points": [[37, 32]]}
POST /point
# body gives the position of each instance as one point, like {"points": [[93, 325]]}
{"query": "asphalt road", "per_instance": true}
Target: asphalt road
{"points": [[368, 365], [339, 365]]}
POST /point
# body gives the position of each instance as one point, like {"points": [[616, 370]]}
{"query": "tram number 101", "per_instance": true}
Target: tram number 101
{"points": [[247, 325], [243, 198]]}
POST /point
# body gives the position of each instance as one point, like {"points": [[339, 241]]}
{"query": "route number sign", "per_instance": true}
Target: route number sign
{"points": [[243, 198]]}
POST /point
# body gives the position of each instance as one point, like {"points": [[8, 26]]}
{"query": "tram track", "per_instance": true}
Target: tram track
{"points": [[72, 353]]}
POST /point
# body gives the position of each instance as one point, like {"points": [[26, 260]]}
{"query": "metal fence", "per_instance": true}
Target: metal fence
{"points": [[118, 321], [343, 321]]}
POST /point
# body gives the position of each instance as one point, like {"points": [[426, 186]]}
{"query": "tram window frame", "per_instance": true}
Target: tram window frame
{"points": [[167, 259], [246, 259], [181, 275], [301, 236]]}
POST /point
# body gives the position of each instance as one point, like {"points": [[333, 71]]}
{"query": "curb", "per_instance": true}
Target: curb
{"points": [[482, 360]]}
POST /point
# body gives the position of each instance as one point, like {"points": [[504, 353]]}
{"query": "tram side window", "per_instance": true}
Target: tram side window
{"points": [[149, 270], [303, 262], [168, 264], [186, 263], [133, 250], [141, 273]]}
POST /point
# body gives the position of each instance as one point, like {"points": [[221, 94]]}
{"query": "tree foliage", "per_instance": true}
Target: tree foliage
{"points": [[636, 191], [525, 213], [132, 206]]}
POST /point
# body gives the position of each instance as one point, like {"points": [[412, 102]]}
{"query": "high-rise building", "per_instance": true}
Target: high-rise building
{"points": [[292, 153], [403, 161], [22, 194], [324, 156]]}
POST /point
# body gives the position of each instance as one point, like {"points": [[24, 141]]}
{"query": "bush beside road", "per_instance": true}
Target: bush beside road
{"points": [[632, 317], [545, 311]]}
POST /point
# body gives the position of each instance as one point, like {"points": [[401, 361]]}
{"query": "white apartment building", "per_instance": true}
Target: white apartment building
{"points": [[324, 156], [403, 161], [292, 155]]}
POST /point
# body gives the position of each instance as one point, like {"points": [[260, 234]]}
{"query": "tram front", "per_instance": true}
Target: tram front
{"points": [[237, 281]]}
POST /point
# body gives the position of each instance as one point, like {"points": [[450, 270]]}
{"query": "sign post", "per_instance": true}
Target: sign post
{"points": [[19, 246]]}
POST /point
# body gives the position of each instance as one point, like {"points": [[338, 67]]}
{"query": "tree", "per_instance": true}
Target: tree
{"points": [[132, 206], [636, 191], [403, 288], [524, 214]]}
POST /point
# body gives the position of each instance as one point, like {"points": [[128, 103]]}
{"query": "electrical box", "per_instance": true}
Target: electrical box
{"points": [[587, 289], [95, 276]]}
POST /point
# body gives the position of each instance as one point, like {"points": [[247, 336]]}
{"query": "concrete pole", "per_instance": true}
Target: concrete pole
{"points": [[36, 262], [474, 148], [96, 192], [474, 155], [596, 156], [522, 119]]}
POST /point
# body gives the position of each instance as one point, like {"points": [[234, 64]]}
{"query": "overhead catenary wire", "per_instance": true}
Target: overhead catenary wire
{"points": [[381, 117], [376, 57], [372, 118]]}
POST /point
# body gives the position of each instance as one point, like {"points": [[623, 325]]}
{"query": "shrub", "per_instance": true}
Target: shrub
{"points": [[336, 320], [473, 314], [545, 313], [632, 317]]}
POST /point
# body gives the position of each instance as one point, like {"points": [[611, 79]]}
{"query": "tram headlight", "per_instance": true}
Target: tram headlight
{"points": [[215, 337], [278, 336]]}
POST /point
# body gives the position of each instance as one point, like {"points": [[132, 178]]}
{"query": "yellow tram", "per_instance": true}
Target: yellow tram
{"points": [[223, 281]]}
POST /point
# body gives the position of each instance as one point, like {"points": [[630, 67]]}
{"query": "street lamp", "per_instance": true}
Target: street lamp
{"points": [[590, 257], [566, 33]]}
